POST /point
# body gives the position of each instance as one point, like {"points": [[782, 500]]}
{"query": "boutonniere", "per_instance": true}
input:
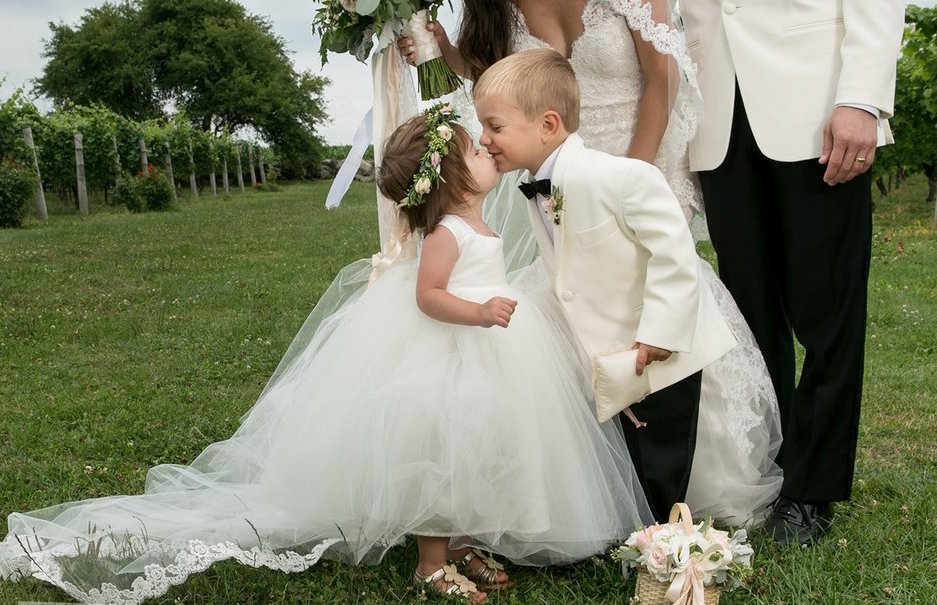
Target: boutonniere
{"points": [[554, 204]]}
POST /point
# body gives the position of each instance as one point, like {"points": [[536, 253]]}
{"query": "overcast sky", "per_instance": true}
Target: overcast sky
{"points": [[24, 24]]}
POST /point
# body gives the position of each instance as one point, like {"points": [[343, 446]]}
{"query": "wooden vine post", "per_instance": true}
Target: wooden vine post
{"points": [[193, 184], [80, 175], [117, 170], [260, 162], [41, 209], [224, 175], [250, 160], [237, 149], [144, 163], [211, 178], [169, 175]]}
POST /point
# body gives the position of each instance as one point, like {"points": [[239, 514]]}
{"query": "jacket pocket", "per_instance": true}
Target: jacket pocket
{"points": [[805, 15], [598, 234], [802, 27]]}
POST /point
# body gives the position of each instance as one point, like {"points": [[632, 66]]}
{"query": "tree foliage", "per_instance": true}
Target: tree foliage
{"points": [[915, 148], [100, 61], [209, 60]]}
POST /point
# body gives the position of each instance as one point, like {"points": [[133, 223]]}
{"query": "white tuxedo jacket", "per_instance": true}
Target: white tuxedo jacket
{"points": [[795, 60], [624, 266]]}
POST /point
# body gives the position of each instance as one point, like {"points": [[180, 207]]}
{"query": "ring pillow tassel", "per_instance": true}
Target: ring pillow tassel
{"points": [[434, 75]]}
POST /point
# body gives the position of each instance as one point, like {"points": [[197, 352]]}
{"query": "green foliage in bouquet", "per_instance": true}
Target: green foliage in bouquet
{"points": [[350, 26]]}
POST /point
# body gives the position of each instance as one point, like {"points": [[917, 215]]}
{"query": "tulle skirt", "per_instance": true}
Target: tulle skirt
{"points": [[384, 423]]}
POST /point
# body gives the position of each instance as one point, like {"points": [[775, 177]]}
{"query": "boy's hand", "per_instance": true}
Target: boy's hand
{"points": [[496, 312], [648, 354]]}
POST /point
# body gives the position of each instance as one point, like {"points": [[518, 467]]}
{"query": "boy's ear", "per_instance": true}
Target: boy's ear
{"points": [[551, 125]]}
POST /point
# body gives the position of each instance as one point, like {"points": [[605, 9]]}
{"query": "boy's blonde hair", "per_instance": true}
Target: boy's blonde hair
{"points": [[536, 81]]}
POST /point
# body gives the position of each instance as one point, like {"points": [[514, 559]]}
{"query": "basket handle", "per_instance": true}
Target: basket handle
{"points": [[681, 511]]}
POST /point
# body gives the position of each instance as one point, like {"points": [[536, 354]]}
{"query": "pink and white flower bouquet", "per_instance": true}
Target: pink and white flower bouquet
{"points": [[688, 557]]}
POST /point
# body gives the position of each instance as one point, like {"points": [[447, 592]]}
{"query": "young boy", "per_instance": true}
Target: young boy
{"points": [[622, 261]]}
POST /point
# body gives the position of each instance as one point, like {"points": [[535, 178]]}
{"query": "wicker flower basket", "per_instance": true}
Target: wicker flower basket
{"points": [[651, 592]]}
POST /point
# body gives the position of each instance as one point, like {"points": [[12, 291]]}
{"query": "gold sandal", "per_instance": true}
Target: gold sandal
{"points": [[458, 584], [486, 576]]}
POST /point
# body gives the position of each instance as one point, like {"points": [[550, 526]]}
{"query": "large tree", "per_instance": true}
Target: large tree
{"points": [[208, 59], [100, 61]]}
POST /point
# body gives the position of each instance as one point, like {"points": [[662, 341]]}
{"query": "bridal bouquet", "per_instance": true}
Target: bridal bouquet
{"points": [[350, 26], [683, 563]]}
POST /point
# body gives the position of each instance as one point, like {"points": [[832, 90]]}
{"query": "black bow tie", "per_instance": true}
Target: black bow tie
{"points": [[531, 189]]}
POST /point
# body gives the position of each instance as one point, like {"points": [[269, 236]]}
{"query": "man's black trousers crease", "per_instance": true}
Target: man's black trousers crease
{"points": [[794, 252]]}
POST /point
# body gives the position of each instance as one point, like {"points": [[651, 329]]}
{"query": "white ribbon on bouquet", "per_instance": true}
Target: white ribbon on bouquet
{"points": [[395, 102]]}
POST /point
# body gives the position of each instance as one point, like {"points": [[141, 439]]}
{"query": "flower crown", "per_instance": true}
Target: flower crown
{"points": [[439, 131]]}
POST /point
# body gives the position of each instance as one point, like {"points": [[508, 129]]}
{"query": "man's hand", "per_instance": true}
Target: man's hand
{"points": [[648, 354], [849, 140], [496, 311]]}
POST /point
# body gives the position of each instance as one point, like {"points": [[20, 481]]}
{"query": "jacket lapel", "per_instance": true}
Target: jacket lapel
{"points": [[540, 233], [564, 162]]}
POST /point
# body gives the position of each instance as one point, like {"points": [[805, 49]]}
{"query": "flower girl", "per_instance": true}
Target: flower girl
{"points": [[402, 415]]}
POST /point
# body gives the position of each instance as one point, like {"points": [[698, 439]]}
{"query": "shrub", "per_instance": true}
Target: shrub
{"points": [[145, 191], [155, 189], [126, 194], [16, 188], [340, 152]]}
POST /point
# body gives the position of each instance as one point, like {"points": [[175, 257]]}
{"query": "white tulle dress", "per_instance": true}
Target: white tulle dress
{"points": [[386, 423]]}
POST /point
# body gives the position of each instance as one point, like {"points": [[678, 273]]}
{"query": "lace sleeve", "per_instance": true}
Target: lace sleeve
{"points": [[666, 37], [664, 33]]}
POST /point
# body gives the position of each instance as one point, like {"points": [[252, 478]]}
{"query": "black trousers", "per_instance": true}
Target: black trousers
{"points": [[794, 252], [662, 452]]}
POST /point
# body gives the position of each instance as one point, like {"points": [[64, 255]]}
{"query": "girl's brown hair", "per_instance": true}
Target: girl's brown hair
{"points": [[488, 28], [402, 154]]}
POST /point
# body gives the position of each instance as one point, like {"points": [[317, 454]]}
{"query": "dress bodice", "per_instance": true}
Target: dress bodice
{"points": [[610, 79], [612, 85], [479, 271]]}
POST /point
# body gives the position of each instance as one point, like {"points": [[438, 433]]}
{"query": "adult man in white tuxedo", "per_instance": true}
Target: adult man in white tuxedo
{"points": [[796, 96]]}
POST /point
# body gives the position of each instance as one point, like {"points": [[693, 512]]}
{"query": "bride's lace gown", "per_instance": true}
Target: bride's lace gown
{"points": [[734, 477]]}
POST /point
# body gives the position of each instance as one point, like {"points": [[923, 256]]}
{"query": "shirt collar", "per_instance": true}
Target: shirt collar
{"points": [[546, 169]]}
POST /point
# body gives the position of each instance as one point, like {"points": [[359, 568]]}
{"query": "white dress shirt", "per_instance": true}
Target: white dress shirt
{"points": [[546, 172]]}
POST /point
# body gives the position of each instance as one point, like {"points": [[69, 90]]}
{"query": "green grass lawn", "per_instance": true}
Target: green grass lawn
{"points": [[128, 340]]}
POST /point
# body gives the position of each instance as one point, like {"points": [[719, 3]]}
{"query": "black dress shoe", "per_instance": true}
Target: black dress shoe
{"points": [[793, 522]]}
